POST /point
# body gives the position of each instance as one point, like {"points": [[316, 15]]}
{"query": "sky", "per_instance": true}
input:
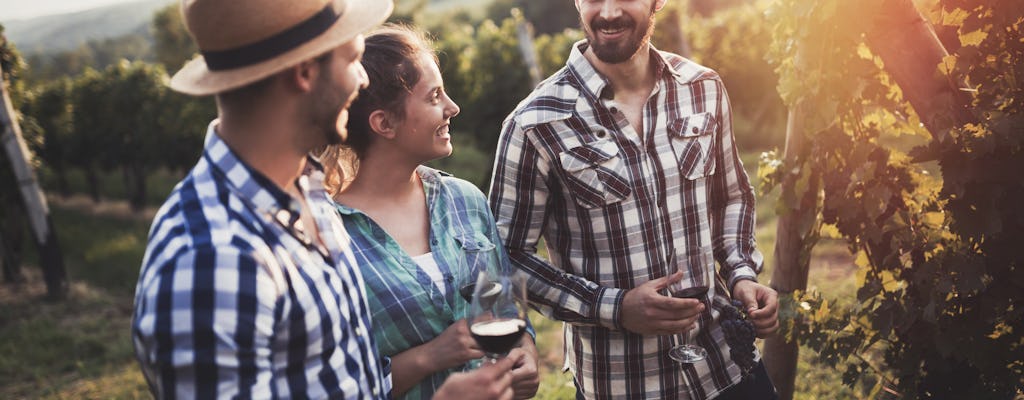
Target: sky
{"points": [[22, 9]]}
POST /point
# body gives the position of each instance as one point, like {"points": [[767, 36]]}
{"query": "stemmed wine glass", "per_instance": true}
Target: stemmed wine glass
{"points": [[476, 262], [692, 288], [497, 313]]}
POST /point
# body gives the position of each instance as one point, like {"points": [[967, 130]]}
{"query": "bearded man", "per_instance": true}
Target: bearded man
{"points": [[625, 163]]}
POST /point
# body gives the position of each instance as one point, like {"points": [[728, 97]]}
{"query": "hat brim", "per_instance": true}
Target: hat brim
{"points": [[360, 15]]}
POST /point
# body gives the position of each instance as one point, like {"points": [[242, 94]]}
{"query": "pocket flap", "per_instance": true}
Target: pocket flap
{"points": [[698, 124], [588, 155], [474, 241]]}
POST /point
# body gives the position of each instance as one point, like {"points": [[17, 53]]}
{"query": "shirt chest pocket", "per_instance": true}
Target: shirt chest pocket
{"points": [[693, 142], [477, 254], [595, 173]]}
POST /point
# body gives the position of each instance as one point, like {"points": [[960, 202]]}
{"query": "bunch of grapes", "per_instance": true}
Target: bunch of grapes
{"points": [[740, 335]]}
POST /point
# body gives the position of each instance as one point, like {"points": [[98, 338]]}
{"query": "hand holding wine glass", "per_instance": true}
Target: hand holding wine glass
{"points": [[498, 313], [693, 288]]}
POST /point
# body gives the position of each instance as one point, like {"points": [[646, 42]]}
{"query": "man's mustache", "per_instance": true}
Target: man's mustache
{"points": [[622, 22]]}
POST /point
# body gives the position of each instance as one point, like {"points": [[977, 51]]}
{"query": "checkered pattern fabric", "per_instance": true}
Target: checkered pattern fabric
{"points": [[235, 300], [615, 206]]}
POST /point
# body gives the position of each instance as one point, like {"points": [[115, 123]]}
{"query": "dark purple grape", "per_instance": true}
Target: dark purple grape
{"points": [[739, 335]]}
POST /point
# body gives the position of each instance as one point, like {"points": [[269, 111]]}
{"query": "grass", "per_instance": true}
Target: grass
{"points": [[80, 347]]}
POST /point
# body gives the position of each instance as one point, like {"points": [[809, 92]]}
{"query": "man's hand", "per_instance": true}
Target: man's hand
{"points": [[454, 347], [645, 310], [490, 381], [525, 378], [762, 304]]}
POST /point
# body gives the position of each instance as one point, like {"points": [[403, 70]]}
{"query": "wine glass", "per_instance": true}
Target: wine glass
{"points": [[690, 287], [474, 262], [497, 316], [477, 261]]}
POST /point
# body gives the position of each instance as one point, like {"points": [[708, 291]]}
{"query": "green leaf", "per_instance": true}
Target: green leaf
{"points": [[972, 38]]}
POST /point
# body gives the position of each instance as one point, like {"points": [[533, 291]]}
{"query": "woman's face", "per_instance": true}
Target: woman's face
{"points": [[423, 131]]}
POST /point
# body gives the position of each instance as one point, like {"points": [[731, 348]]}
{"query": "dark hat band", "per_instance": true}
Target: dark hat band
{"points": [[272, 46]]}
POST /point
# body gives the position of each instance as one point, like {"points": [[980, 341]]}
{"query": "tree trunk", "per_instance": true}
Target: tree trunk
{"points": [[10, 246], [62, 182], [911, 52], [93, 181], [796, 235], [675, 33], [138, 188], [524, 31], [32, 195]]}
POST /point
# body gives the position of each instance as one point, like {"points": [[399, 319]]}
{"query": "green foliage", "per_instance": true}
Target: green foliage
{"points": [[172, 44], [547, 17], [485, 74], [734, 42], [940, 284], [97, 54], [10, 59]]}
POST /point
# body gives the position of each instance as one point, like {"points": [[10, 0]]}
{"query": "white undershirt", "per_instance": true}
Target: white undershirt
{"points": [[429, 265]]}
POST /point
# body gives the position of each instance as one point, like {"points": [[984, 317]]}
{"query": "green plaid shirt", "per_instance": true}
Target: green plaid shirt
{"points": [[407, 308]]}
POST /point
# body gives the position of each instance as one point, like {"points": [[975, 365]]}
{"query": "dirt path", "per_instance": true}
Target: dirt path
{"points": [[107, 208]]}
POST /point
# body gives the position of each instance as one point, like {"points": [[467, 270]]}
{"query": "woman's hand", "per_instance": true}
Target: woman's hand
{"points": [[454, 346]]}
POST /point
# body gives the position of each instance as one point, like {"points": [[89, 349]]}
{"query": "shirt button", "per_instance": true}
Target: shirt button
{"points": [[600, 133], [695, 130], [614, 110], [359, 331]]}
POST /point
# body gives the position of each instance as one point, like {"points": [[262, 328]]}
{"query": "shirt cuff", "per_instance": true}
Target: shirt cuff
{"points": [[609, 302], [741, 273]]}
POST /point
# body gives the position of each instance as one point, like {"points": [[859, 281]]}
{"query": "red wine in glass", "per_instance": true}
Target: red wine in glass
{"points": [[490, 290], [694, 292], [498, 337]]}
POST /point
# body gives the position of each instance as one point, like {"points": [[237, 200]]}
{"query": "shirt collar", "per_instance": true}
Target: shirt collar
{"points": [[595, 83], [430, 177], [252, 186]]}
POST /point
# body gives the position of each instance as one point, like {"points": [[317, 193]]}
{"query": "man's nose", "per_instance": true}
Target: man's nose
{"points": [[610, 9]]}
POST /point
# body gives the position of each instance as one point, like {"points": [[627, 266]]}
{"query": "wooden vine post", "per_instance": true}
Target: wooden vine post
{"points": [[50, 258]]}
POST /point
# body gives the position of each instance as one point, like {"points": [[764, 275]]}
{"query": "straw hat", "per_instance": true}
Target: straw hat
{"points": [[243, 41]]}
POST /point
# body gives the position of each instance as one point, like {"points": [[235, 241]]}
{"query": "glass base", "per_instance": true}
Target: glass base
{"points": [[687, 354]]}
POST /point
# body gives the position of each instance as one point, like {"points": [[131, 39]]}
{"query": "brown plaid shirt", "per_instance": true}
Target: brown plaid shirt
{"points": [[613, 211]]}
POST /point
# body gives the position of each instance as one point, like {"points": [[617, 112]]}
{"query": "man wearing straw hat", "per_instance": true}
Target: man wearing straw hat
{"points": [[248, 287]]}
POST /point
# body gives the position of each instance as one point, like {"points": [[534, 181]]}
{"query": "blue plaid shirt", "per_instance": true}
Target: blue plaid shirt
{"points": [[234, 300]]}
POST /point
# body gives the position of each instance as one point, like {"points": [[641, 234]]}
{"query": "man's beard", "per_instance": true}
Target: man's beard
{"points": [[331, 105], [623, 49]]}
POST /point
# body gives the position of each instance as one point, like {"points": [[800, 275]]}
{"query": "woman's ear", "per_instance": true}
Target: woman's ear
{"points": [[382, 124]]}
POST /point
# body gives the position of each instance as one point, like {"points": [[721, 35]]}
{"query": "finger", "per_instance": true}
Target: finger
{"points": [[675, 277], [770, 300], [673, 327], [474, 354], [767, 313], [767, 331], [760, 324], [657, 284], [674, 304]]}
